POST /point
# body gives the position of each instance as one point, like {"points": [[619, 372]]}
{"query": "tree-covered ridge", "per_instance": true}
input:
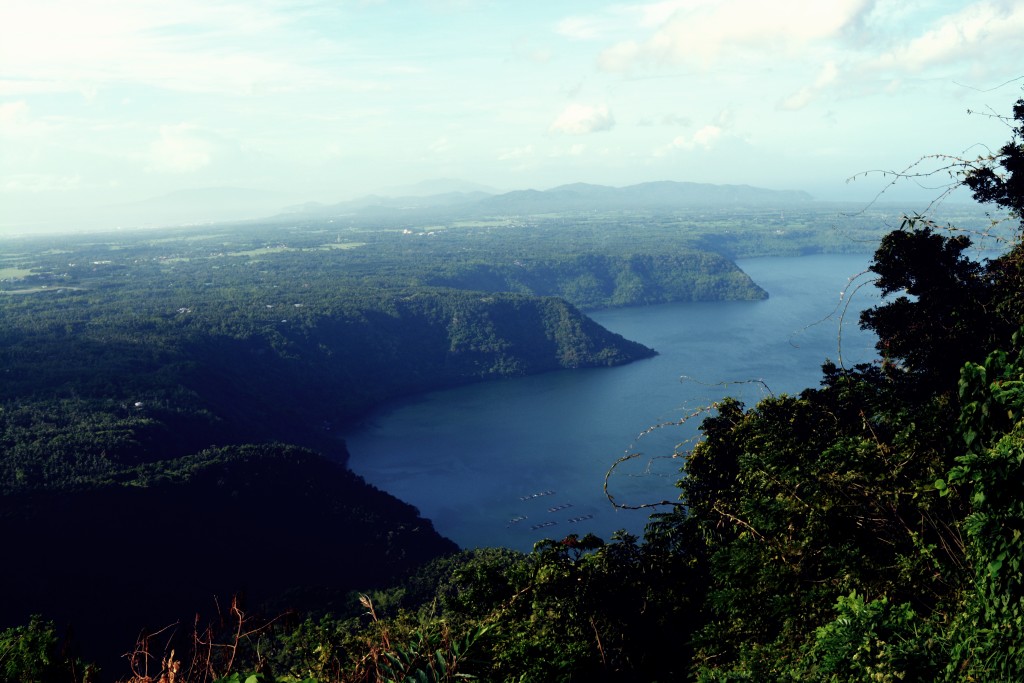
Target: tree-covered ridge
{"points": [[137, 374], [127, 348], [118, 349], [153, 386], [548, 258], [598, 281]]}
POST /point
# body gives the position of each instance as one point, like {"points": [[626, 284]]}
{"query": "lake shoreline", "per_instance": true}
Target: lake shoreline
{"points": [[471, 458]]}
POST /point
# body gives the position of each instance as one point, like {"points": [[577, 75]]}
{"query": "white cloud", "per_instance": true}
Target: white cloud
{"points": [[204, 46], [800, 99], [13, 115], [657, 13], [579, 119], [701, 33], [620, 57], [613, 20], [16, 87], [572, 151], [540, 55], [179, 150], [516, 153], [904, 42], [854, 47], [17, 121], [705, 138], [583, 28], [978, 31], [579, 28]]}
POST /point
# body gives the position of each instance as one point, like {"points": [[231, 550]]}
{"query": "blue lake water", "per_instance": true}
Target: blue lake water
{"points": [[509, 462]]}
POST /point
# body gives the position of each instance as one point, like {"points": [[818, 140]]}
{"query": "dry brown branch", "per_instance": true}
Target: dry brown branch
{"points": [[953, 166], [724, 384], [600, 647], [622, 506], [636, 454], [139, 658], [210, 658], [739, 522]]}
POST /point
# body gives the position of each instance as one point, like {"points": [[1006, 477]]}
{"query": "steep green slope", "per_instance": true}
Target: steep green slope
{"points": [[123, 512], [88, 391], [598, 281]]}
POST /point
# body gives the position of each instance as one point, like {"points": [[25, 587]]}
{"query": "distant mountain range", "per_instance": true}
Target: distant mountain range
{"points": [[434, 186], [375, 203], [441, 199], [645, 195], [574, 197]]}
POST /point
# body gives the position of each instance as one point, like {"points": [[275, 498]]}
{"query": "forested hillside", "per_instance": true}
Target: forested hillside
{"points": [[151, 382], [126, 378], [118, 350], [91, 387], [868, 529], [596, 281]]}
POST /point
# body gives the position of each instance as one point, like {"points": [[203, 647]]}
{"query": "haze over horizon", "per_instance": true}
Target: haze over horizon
{"points": [[107, 102]]}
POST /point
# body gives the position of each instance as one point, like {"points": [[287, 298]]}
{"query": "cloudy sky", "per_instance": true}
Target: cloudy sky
{"points": [[106, 101]]}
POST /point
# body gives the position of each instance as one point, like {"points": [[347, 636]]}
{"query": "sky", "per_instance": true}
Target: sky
{"points": [[111, 101]]}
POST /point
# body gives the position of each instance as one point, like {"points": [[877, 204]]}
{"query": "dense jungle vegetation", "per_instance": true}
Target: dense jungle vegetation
{"points": [[867, 529], [152, 380]]}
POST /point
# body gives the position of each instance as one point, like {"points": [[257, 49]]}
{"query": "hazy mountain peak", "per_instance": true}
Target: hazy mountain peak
{"points": [[435, 186]]}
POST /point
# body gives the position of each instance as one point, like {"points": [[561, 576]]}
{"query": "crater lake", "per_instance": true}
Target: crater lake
{"points": [[510, 462]]}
